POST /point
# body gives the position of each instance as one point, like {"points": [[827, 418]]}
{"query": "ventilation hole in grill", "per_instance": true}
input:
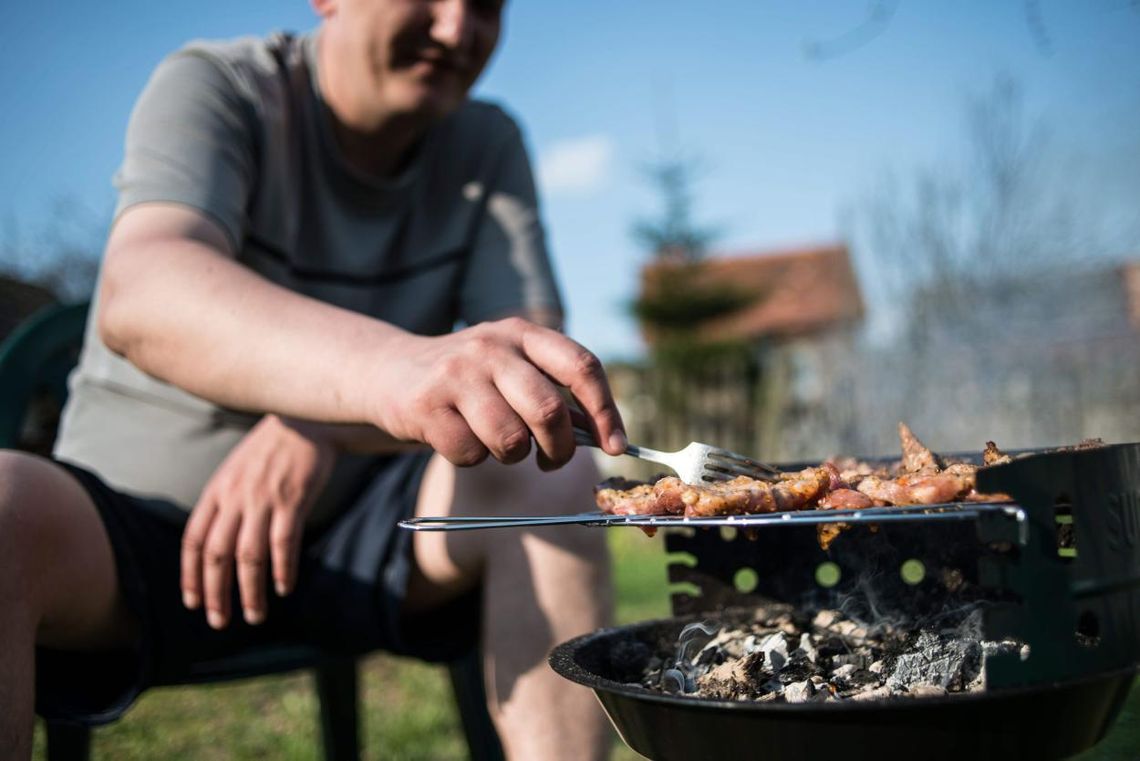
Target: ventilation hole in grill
{"points": [[912, 571], [745, 580], [728, 533], [1088, 629], [1066, 534], [827, 574]]}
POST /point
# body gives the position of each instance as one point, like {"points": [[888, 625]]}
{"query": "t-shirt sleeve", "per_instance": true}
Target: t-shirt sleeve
{"points": [[509, 270], [189, 142]]}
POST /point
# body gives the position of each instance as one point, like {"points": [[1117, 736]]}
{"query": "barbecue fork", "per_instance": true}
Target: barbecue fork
{"points": [[697, 463]]}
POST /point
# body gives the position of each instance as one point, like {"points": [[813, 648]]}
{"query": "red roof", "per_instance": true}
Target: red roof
{"points": [[797, 291]]}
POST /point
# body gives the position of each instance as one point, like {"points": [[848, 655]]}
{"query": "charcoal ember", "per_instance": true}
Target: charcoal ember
{"points": [[712, 655], [927, 691], [825, 618], [797, 668], [797, 657], [878, 693], [787, 623], [807, 647], [830, 646], [775, 649], [856, 659], [847, 679], [735, 679], [844, 672], [950, 663], [849, 630], [799, 692], [728, 643]]}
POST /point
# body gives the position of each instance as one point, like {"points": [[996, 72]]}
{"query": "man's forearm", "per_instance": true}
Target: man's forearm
{"points": [[183, 311], [355, 438]]}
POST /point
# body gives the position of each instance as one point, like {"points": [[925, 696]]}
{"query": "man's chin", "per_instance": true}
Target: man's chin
{"points": [[430, 103]]}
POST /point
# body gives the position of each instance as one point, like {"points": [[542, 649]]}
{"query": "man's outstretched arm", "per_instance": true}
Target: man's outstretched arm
{"points": [[176, 304]]}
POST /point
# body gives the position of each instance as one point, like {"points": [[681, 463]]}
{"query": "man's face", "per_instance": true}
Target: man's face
{"points": [[410, 57]]}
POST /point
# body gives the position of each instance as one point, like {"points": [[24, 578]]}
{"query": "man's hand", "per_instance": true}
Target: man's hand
{"points": [[491, 388], [253, 511]]}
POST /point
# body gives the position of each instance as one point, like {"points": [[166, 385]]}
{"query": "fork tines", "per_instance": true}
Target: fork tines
{"points": [[732, 465]]}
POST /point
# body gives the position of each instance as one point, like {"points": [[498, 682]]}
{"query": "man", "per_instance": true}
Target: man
{"points": [[301, 223]]}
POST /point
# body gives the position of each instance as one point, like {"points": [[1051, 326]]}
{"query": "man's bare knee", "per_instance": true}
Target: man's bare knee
{"points": [[450, 562], [523, 489], [56, 562]]}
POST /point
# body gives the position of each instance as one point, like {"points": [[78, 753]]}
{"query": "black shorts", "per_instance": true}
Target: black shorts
{"points": [[350, 588]]}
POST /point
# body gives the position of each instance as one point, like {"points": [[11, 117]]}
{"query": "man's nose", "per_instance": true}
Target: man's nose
{"points": [[451, 26]]}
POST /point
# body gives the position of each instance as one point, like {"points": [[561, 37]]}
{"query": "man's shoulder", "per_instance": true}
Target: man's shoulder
{"points": [[261, 55], [250, 65]]}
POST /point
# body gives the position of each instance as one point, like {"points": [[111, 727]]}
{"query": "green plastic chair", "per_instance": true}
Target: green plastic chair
{"points": [[35, 361]]}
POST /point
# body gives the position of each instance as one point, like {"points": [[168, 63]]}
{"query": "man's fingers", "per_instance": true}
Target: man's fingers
{"points": [[285, 549], [450, 435], [541, 407], [492, 419], [193, 544], [572, 365], [218, 566], [252, 562]]}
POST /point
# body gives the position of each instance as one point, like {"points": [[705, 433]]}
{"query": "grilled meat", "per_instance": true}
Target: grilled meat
{"points": [[921, 478], [917, 457]]}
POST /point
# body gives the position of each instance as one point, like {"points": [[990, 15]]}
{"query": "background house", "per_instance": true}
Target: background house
{"points": [[747, 376], [1026, 359]]}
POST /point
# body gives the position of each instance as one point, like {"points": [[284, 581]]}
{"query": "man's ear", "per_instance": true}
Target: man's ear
{"points": [[324, 8]]}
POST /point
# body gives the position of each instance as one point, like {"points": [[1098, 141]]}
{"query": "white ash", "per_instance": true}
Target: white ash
{"points": [[782, 657]]}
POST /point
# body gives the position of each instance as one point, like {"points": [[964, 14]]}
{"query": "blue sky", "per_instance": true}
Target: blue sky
{"points": [[788, 141]]}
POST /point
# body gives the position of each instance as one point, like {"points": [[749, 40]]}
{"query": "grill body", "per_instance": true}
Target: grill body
{"points": [[1076, 607]]}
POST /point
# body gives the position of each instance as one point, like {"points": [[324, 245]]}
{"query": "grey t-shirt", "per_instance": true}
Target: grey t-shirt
{"points": [[238, 130]]}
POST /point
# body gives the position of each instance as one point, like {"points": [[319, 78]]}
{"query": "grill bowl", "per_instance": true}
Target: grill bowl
{"points": [[1045, 721]]}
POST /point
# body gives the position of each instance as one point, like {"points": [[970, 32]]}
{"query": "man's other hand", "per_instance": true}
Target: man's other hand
{"points": [[492, 388], [252, 514]]}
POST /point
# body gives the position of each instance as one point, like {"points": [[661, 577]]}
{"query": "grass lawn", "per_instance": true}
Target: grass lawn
{"points": [[407, 710]]}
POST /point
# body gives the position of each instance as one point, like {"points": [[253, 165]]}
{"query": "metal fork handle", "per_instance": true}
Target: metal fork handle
{"points": [[582, 437]]}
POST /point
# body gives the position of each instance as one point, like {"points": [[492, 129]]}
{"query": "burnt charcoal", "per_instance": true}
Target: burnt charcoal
{"points": [[844, 672], [858, 660], [947, 663], [879, 693], [734, 680], [766, 658], [831, 647], [928, 691], [798, 667], [775, 649], [807, 647], [799, 692], [825, 618]]}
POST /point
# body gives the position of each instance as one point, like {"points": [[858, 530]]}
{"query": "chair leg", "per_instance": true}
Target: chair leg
{"points": [[337, 691], [68, 742], [471, 697]]}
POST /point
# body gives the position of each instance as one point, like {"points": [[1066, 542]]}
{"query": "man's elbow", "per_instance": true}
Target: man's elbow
{"points": [[113, 322]]}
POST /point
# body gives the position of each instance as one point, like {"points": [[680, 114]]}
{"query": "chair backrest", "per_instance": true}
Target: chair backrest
{"points": [[35, 361]]}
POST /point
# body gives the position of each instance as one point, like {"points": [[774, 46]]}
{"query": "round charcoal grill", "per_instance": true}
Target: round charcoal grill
{"points": [[1043, 722], [1063, 578]]}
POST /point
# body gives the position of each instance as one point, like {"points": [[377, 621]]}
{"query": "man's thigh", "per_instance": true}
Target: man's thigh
{"points": [[448, 563], [58, 548]]}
